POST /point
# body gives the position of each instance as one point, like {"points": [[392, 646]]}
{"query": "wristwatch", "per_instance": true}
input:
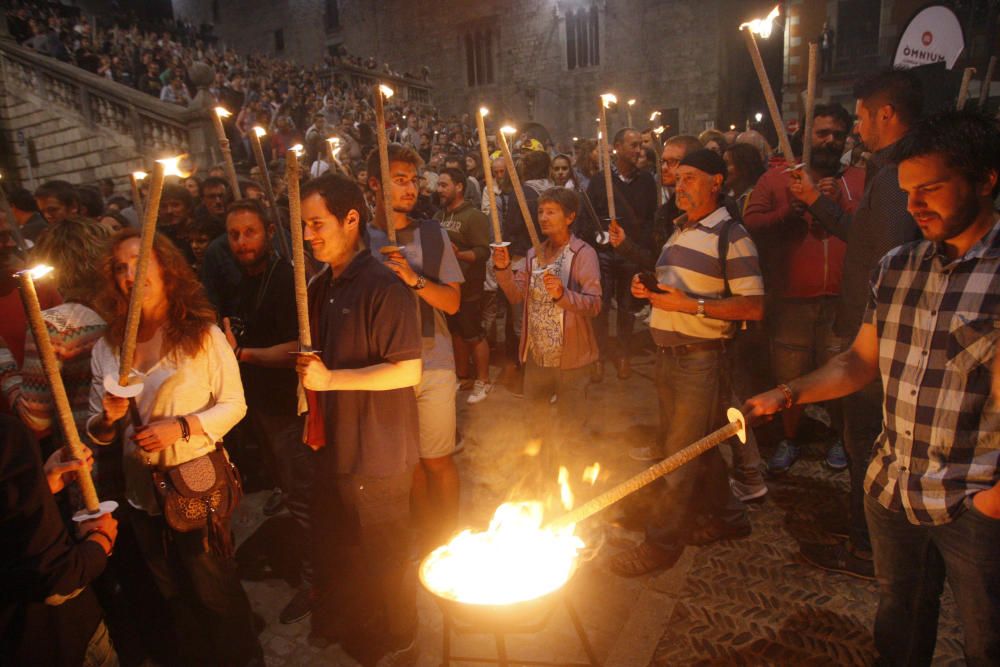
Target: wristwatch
{"points": [[701, 308], [420, 284]]}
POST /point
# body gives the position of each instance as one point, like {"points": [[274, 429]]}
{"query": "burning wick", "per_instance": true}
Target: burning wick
{"points": [[608, 99], [762, 26], [654, 115], [259, 131], [222, 112], [387, 92], [139, 175], [171, 166], [37, 272], [298, 150]]}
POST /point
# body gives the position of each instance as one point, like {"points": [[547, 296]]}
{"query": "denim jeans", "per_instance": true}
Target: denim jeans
{"points": [[210, 609], [862, 425], [911, 565], [689, 390]]}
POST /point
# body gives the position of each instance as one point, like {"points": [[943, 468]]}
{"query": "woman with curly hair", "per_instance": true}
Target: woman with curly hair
{"points": [[191, 397]]}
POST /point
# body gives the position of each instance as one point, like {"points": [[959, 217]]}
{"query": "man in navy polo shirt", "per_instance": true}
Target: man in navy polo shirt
{"points": [[363, 420]]}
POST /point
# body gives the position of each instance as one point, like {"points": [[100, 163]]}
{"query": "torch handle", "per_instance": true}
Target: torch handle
{"points": [[227, 155], [298, 249], [609, 188], [522, 203], [963, 90], [136, 197], [484, 152], [807, 127], [265, 177], [772, 104], [984, 90], [50, 366], [383, 159], [131, 333], [647, 476]]}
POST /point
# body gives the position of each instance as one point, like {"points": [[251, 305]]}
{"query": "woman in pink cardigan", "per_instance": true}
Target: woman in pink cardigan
{"points": [[561, 296]]}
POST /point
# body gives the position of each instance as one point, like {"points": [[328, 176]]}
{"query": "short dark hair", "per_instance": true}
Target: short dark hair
{"points": [[249, 206], [567, 199], [61, 190], [213, 182], [835, 111], [23, 200], [620, 135], [457, 176], [340, 193], [535, 165], [397, 153], [900, 88], [178, 193], [91, 204], [968, 141]]}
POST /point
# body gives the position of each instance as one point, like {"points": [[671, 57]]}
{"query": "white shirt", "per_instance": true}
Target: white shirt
{"points": [[207, 385]]}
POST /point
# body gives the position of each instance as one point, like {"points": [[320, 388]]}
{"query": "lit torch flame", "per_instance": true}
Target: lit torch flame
{"points": [[259, 131], [658, 130], [607, 99], [36, 272], [298, 150], [591, 473], [483, 111], [565, 492], [762, 26], [139, 175], [653, 115], [171, 166], [631, 103], [507, 129], [387, 92], [222, 112]]}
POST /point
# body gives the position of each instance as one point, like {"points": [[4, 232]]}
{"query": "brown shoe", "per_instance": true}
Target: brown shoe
{"points": [[624, 368], [643, 559]]}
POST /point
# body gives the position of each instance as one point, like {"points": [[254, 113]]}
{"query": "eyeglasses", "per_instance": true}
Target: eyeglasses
{"points": [[672, 162]]}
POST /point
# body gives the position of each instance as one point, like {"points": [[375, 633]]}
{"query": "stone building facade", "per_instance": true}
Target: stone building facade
{"points": [[543, 61]]}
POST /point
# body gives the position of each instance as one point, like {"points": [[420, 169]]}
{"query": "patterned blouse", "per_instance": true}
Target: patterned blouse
{"points": [[545, 326]]}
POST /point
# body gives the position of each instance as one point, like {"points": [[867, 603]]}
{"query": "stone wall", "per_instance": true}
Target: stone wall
{"points": [[683, 54], [83, 127]]}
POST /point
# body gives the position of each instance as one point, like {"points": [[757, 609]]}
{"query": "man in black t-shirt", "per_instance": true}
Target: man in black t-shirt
{"points": [[263, 333]]}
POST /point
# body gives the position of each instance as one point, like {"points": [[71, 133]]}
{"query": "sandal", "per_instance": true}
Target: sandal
{"points": [[643, 559]]}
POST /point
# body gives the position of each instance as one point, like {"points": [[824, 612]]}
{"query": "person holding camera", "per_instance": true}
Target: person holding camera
{"points": [[698, 298], [263, 332]]}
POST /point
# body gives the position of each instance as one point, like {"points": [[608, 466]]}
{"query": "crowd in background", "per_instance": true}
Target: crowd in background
{"points": [[736, 269]]}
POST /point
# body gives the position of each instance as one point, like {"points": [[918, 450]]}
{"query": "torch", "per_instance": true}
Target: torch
{"points": [[735, 427], [333, 147], [763, 28], [484, 151], [607, 99], [807, 127], [984, 90], [522, 203], [227, 153], [134, 179], [963, 90], [630, 104], [265, 178], [658, 132], [15, 229], [298, 248], [122, 386], [50, 365], [383, 158]]}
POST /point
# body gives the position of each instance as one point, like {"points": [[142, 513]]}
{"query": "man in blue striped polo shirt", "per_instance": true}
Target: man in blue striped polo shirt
{"points": [[708, 282]]}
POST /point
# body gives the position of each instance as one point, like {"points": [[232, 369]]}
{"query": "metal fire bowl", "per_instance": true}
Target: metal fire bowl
{"points": [[522, 616]]}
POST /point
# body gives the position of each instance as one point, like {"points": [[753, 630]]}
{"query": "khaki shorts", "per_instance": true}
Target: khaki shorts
{"points": [[436, 412]]}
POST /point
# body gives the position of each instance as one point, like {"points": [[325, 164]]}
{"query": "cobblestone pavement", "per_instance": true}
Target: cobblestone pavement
{"points": [[751, 601]]}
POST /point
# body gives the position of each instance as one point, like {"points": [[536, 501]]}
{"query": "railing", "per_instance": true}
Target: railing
{"points": [[412, 90], [156, 128]]}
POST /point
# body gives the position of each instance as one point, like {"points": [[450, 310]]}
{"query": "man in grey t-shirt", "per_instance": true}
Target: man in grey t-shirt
{"points": [[426, 264]]}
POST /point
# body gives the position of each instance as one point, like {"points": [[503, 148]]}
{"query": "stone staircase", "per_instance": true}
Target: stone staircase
{"points": [[58, 121]]}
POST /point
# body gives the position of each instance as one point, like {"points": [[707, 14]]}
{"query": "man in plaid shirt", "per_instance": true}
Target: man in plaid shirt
{"points": [[930, 332]]}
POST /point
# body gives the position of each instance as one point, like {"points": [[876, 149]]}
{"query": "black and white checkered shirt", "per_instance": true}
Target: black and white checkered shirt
{"points": [[938, 324]]}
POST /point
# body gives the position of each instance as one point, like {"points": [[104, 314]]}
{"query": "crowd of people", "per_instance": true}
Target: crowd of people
{"points": [[865, 280]]}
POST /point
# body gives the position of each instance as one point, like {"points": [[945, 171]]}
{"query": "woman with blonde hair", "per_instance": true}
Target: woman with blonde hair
{"points": [[191, 397]]}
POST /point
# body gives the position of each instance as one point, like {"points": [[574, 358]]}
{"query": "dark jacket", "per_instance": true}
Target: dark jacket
{"points": [[47, 610]]}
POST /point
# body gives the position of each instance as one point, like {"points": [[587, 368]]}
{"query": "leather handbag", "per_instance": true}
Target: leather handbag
{"points": [[201, 494]]}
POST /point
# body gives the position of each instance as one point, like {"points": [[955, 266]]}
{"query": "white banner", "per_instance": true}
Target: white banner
{"points": [[933, 35]]}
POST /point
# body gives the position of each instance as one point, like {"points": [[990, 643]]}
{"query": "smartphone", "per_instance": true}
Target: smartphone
{"points": [[648, 279]]}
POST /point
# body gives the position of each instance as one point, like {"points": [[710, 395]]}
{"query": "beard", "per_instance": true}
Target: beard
{"points": [[826, 160], [967, 212]]}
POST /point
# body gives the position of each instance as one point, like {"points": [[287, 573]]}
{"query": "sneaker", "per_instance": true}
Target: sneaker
{"points": [[783, 457], [275, 502], [644, 454], [402, 657], [298, 607], [836, 457], [840, 558], [479, 391], [747, 492]]}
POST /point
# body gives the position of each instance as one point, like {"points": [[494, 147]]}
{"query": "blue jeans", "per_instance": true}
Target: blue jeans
{"points": [[911, 564], [689, 391]]}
